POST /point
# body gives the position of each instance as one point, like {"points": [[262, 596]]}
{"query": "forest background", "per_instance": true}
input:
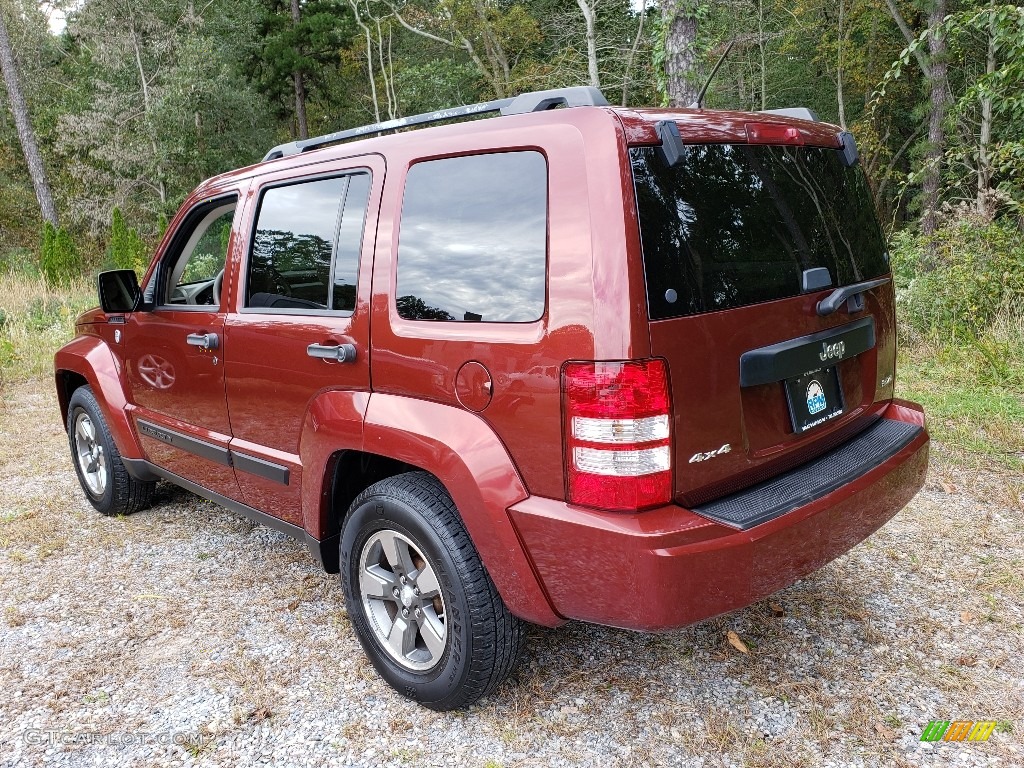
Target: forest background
{"points": [[113, 110]]}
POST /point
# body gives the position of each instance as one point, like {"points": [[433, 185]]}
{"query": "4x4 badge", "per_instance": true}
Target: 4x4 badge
{"points": [[697, 457]]}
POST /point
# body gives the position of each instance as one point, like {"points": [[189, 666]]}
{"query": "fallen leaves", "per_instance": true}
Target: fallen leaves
{"points": [[735, 642]]}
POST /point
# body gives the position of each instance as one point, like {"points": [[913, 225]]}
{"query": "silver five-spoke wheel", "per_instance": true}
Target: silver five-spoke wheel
{"points": [[92, 460], [403, 600]]}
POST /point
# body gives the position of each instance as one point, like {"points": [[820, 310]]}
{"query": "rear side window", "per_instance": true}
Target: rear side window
{"points": [[731, 225], [305, 250], [473, 240]]}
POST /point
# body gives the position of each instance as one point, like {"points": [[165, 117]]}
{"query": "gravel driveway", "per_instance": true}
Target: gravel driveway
{"points": [[186, 635]]}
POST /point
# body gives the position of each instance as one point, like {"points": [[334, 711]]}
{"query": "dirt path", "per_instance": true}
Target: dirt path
{"points": [[186, 635]]}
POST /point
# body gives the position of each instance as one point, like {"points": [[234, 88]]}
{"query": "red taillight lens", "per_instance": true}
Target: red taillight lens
{"points": [[773, 133], [618, 436]]}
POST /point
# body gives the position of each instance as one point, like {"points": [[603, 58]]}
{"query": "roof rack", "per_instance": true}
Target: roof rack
{"points": [[534, 101]]}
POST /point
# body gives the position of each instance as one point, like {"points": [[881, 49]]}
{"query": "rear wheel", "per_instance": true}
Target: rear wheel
{"points": [[424, 609], [102, 474]]}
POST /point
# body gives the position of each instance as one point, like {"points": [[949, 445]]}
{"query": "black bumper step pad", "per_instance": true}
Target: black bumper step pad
{"points": [[810, 481]]}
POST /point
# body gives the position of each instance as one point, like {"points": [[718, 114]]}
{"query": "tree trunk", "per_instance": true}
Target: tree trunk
{"points": [[761, 50], [626, 82], [369, 60], [984, 201], [300, 85], [588, 16], [680, 24], [938, 85], [922, 59], [161, 185], [26, 135], [839, 66]]}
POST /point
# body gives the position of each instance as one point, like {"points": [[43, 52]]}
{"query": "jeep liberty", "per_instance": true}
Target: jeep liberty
{"points": [[566, 362]]}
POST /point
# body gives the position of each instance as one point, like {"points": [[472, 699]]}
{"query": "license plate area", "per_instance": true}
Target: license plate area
{"points": [[814, 398]]}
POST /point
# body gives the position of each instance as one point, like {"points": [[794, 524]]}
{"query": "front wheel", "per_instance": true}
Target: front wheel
{"points": [[103, 476], [424, 609]]}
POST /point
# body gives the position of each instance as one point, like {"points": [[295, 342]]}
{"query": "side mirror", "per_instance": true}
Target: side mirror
{"points": [[119, 291]]}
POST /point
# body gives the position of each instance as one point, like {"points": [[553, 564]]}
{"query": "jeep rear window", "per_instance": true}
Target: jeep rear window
{"points": [[734, 224], [473, 240]]}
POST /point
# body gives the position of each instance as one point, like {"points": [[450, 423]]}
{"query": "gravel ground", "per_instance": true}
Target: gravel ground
{"points": [[186, 635]]}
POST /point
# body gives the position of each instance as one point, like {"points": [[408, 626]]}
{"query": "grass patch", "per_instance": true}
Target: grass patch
{"points": [[973, 393], [36, 319]]}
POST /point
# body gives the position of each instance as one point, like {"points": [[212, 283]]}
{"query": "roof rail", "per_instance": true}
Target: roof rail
{"points": [[534, 101], [801, 112]]}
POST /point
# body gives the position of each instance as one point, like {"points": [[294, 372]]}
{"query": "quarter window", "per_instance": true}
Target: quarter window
{"points": [[473, 239], [305, 250]]}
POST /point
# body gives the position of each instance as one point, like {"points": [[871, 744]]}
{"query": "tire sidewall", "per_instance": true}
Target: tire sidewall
{"points": [[82, 401], [380, 512]]}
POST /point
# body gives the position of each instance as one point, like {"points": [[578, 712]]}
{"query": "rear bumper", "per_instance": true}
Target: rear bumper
{"points": [[669, 567]]}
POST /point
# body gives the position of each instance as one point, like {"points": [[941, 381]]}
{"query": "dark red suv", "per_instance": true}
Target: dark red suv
{"points": [[632, 367]]}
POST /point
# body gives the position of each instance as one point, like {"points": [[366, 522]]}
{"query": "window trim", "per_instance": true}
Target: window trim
{"points": [[345, 174]]}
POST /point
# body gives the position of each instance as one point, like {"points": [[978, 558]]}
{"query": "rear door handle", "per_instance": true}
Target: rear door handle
{"points": [[203, 340], [342, 353]]}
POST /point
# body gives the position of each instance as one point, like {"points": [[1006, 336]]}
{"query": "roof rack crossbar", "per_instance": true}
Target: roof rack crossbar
{"points": [[535, 101]]}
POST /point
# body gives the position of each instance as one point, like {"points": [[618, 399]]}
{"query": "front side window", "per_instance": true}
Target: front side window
{"points": [[473, 240], [305, 249], [192, 278]]}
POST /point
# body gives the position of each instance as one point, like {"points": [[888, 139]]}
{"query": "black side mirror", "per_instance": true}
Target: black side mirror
{"points": [[119, 291]]}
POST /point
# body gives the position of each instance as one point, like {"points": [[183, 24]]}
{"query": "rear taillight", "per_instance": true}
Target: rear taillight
{"points": [[618, 434]]}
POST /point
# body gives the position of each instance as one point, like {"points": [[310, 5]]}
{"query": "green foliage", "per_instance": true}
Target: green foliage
{"points": [[36, 319], [974, 407], [126, 249], [44, 312], [971, 35], [955, 285], [20, 261], [59, 260], [286, 47], [166, 104]]}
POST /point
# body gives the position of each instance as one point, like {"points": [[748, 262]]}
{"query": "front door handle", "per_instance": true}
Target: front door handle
{"points": [[203, 340], [342, 353]]}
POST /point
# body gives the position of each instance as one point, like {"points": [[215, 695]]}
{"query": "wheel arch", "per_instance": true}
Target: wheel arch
{"points": [[401, 434], [87, 361]]}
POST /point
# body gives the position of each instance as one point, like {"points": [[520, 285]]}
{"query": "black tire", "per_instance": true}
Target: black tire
{"points": [[481, 640], [101, 473]]}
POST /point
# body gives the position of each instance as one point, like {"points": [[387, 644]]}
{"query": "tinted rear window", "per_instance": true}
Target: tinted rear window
{"points": [[731, 225]]}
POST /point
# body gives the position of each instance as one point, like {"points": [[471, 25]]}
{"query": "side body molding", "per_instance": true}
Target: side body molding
{"points": [[90, 358], [472, 463]]}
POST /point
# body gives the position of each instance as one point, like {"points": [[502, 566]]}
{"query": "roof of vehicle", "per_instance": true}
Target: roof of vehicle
{"points": [[698, 126]]}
